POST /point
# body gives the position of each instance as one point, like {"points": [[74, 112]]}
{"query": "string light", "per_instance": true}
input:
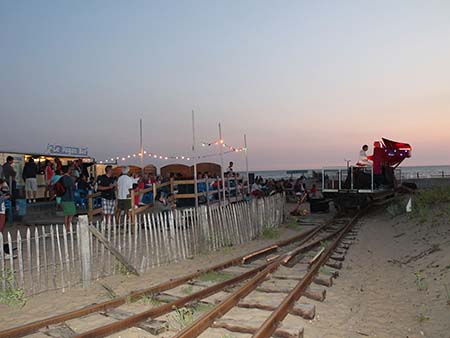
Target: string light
{"points": [[230, 149], [222, 142]]}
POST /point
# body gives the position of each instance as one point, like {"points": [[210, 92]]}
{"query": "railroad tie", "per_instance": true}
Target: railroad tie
{"points": [[60, 330], [250, 327]]}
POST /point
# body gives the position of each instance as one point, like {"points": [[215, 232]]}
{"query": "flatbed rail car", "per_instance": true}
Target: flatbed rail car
{"points": [[355, 186]]}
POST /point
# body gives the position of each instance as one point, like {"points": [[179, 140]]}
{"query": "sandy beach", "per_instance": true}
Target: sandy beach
{"points": [[392, 283]]}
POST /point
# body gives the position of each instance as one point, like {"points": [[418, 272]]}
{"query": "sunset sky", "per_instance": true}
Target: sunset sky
{"points": [[309, 82]]}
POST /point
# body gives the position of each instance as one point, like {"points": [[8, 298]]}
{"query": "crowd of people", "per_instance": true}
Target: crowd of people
{"points": [[71, 184]]}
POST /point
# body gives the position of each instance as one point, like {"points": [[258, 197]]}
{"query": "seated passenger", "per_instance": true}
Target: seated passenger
{"points": [[256, 190], [363, 159], [160, 203], [314, 194]]}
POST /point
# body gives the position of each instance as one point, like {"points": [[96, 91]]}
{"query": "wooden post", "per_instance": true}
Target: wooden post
{"points": [[85, 251], [133, 210], [112, 249], [154, 191], [207, 190], [171, 185]]}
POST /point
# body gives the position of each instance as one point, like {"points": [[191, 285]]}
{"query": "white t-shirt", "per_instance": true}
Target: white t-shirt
{"points": [[4, 187], [124, 184], [363, 160], [255, 187], [2, 208]]}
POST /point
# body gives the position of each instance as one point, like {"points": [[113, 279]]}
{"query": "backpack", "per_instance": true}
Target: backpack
{"points": [[60, 189]]}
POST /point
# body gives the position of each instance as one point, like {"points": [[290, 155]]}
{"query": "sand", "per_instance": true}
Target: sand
{"points": [[392, 283], [378, 296], [56, 302]]}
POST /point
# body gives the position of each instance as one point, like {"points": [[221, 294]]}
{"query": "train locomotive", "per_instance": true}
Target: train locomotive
{"points": [[355, 186]]}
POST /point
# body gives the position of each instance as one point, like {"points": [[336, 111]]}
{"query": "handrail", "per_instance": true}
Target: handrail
{"points": [[233, 193]]}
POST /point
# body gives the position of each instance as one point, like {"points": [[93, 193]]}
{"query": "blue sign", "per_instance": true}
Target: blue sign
{"points": [[57, 149]]}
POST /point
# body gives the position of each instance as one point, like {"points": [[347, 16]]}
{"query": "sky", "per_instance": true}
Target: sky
{"points": [[308, 82]]}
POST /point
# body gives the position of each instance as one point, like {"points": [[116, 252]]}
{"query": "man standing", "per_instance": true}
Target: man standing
{"points": [[68, 199], [10, 175], [29, 176], [124, 186], [107, 186]]}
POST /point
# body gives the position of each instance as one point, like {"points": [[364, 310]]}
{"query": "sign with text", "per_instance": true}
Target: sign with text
{"points": [[62, 150]]}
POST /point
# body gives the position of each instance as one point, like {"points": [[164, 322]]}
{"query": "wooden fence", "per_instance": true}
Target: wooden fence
{"points": [[49, 257], [234, 192]]}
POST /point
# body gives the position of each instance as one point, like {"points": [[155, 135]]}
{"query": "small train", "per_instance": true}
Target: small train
{"points": [[357, 185]]}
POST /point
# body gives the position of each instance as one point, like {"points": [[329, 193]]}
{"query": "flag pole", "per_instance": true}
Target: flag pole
{"points": [[221, 162], [246, 163], [194, 156], [141, 147]]}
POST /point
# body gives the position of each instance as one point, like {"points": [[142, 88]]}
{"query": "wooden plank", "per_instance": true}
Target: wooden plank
{"points": [[182, 196], [66, 255], [113, 250], [11, 259], [44, 248], [85, 252], [38, 263], [58, 241], [20, 258], [30, 262], [109, 237], [52, 237]]}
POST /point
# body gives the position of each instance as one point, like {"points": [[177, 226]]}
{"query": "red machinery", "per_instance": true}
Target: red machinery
{"points": [[395, 152], [356, 185], [388, 154]]}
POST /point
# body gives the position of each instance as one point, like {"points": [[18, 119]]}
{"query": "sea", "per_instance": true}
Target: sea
{"points": [[406, 172]]}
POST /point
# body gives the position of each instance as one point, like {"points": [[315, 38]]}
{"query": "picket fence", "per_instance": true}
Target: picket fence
{"points": [[49, 257]]}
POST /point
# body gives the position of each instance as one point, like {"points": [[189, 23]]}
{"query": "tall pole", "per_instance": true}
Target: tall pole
{"points": [[246, 163], [141, 148], [221, 162], [194, 156]]}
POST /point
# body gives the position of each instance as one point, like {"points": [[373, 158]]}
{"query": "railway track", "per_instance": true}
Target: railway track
{"points": [[256, 294]]}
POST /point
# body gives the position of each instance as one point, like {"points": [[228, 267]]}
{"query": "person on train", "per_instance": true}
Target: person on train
{"points": [[363, 159], [377, 163]]}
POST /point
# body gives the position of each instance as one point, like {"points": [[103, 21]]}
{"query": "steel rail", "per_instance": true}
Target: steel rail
{"points": [[205, 321], [270, 324], [123, 324], [21, 331]]}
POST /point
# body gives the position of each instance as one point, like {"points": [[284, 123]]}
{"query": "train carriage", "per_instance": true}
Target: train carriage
{"points": [[355, 186]]}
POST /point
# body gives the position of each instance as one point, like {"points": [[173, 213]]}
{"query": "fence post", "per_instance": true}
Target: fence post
{"points": [[204, 237], [133, 210], [154, 191], [85, 250], [207, 191], [171, 185]]}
